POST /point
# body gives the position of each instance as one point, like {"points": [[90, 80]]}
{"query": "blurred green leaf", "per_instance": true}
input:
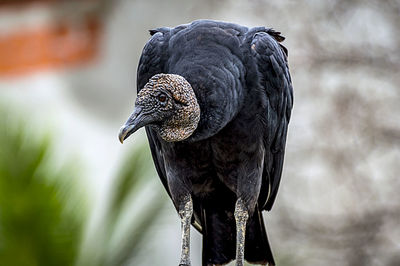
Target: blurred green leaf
{"points": [[36, 228], [134, 169], [132, 179], [41, 214]]}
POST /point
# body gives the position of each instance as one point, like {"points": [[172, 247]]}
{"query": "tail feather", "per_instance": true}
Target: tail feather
{"points": [[219, 238], [257, 249]]}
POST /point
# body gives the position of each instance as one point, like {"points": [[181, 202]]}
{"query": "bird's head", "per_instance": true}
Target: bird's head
{"points": [[167, 103]]}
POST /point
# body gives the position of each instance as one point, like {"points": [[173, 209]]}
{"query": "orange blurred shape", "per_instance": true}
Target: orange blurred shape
{"points": [[60, 45]]}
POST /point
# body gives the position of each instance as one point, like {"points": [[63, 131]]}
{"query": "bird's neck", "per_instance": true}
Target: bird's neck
{"points": [[183, 122], [171, 132]]}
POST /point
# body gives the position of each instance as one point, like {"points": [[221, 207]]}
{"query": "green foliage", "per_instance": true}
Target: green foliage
{"points": [[43, 214], [136, 170], [36, 225], [119, 237]]}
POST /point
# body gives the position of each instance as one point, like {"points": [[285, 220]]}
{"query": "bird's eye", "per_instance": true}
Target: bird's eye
{"points": [[162, 98]]}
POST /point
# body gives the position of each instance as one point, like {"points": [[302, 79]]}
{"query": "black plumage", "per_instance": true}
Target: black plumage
{"points": [[242, 84]]}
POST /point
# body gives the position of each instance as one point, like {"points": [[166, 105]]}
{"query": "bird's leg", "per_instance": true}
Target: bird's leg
{"points": [[185, 212], [241, 216]]}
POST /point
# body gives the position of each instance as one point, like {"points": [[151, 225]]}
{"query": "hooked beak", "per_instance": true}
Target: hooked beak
{"points": [[135, 121]]}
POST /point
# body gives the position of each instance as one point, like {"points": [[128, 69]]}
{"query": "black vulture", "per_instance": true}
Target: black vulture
{"points": [[215, 99]]}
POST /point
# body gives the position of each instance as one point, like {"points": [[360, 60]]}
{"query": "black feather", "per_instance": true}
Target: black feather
{"points": [[242, 83]]}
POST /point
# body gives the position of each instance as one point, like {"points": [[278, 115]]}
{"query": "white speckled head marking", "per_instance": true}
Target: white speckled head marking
{"points": [[185, 110]]}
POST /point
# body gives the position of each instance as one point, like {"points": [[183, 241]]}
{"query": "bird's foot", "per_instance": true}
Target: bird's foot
{"points": [[185, 212], [241, 216]]}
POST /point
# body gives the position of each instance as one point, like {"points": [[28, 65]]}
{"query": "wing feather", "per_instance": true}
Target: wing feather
{"points": [[153, 58], [271, 60]]}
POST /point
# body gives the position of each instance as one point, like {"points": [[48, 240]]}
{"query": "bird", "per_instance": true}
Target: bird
{"points": [[215, 99]]}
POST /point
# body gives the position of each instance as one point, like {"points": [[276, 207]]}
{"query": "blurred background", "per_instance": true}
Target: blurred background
{"points": [[70, 194]]}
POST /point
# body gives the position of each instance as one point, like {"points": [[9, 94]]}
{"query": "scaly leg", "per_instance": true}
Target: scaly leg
{"points": [[241, 216], [185, 212]]}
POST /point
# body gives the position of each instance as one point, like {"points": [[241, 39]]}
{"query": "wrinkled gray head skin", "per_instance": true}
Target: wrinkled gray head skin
{"points": [[167, 102]]}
